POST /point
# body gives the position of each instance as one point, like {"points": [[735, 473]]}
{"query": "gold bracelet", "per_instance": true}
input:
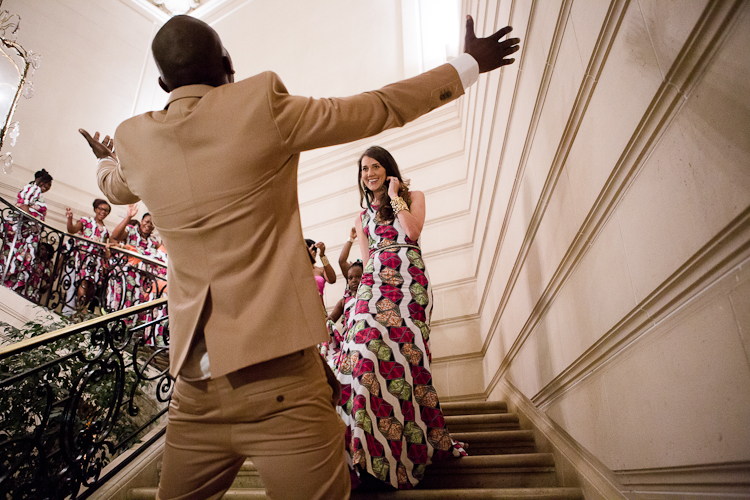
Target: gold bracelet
{"points": [[324, 260], [350, 240], [398, 204]]}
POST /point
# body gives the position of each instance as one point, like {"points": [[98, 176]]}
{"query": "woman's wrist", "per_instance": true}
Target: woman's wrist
{"points": [[324, 260], [398, 205]]}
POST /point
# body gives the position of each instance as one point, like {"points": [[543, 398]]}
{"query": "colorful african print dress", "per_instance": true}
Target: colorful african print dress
{"points": [[138, 286], [333, 347], [23, 236], [395, 426], [92, 264]]}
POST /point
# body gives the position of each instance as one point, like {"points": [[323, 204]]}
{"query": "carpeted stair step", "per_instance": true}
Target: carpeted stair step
{"points": [[497, 442], [474, 408], [456, 494], [233, 494], [485, 422], [247, 477], [528, 470], [475, 494]]}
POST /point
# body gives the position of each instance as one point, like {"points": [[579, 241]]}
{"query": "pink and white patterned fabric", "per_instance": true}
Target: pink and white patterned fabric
{"points": [[395, 427]]}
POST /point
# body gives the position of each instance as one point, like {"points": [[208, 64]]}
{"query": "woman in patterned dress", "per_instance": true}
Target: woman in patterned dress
{"points": [[395, 426], [143, 281], [91, 260], [23, 234], [139, 238]]}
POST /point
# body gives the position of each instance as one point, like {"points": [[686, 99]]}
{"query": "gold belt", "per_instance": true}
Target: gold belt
{"points": [[395, 245]]}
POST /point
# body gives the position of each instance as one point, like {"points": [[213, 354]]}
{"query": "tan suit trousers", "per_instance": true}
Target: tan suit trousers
{"points": [[277, 413]]}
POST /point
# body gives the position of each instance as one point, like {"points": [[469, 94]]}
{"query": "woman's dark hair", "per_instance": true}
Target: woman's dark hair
{"points": [[50, 249], [382, 156], [41, 176], [309, 244], [99, 201], [145, 215]]}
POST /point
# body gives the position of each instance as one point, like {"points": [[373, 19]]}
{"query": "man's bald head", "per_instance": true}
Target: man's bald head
{"points": [[188, 51]]}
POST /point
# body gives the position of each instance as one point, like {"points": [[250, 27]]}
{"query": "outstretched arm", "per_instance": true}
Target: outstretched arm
{"points": [[110, 178], [119, 232], [344, 255], [305, 123], [72, 228], [328, 273]]}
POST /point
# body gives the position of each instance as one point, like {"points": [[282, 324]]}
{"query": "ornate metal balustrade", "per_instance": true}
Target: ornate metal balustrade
{"points": [[73, 399], [47, 267]]}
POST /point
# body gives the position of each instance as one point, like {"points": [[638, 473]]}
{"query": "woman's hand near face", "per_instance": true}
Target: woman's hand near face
{"points": [[393, 187], [322, 247]]}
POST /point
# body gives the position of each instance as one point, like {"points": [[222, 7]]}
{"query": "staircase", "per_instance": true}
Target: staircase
{"points": [[502, 465]]}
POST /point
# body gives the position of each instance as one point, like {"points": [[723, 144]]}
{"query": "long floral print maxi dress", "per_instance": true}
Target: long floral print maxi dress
{"points": [[21, 263], [395, 426], [91, 259]]}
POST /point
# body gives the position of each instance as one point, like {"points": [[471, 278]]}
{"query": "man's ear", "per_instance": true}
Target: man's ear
{"points": [[226, 63], [164, 86]]}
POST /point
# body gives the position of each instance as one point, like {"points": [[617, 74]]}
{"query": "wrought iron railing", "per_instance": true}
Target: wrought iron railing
{"points": [[47, 266], [74, 399]]}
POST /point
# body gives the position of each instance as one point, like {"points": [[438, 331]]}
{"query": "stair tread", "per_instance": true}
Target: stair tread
{"points": [[452, 494], [470, 462], [474, 494], [482, 419], [500, 436], [475, 408], [520, 460]]}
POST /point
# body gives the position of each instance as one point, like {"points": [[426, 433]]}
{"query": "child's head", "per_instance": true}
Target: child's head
{"points": [[45, 251], [354, 276]]}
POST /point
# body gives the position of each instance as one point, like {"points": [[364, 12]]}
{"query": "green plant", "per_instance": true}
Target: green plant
{"points": [[75, 392]]}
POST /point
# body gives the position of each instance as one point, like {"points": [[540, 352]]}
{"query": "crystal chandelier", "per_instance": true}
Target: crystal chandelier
{"points": [[177, 7], [20, 84]]}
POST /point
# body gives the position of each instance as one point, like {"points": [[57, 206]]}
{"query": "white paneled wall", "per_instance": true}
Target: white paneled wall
{"points": [[610, 209]]}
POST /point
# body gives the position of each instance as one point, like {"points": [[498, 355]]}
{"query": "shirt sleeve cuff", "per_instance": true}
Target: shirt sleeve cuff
{"points": [[109, 160], [468, 69]]}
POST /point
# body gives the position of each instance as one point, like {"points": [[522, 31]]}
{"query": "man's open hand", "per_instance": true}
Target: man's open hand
{"points": [[490, 53], [104, 149]]}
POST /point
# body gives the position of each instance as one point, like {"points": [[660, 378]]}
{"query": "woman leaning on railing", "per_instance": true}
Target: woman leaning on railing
{"points": [[60, 262]]}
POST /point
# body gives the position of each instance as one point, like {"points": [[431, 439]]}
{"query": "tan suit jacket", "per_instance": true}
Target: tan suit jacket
{"points": [[217, 169]]}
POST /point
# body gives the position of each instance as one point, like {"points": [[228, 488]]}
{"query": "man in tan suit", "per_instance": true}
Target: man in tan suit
{"points": [[217, 169]]}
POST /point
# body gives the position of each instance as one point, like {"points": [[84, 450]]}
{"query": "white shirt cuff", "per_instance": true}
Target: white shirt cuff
{"points": [[468, 69], [110, 159]]}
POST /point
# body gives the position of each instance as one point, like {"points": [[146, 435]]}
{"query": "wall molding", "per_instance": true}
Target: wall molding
{"points": [[576, 251], [685, 73], [528, 144], [595, 479], [721, 256], [723, 480]]}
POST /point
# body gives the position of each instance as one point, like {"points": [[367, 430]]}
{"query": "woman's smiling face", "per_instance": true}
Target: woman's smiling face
{"points": [[373, 174]]}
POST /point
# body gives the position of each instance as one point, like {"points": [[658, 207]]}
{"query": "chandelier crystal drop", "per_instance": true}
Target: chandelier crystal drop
{"points": [[6, 160], [177, 7]]}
